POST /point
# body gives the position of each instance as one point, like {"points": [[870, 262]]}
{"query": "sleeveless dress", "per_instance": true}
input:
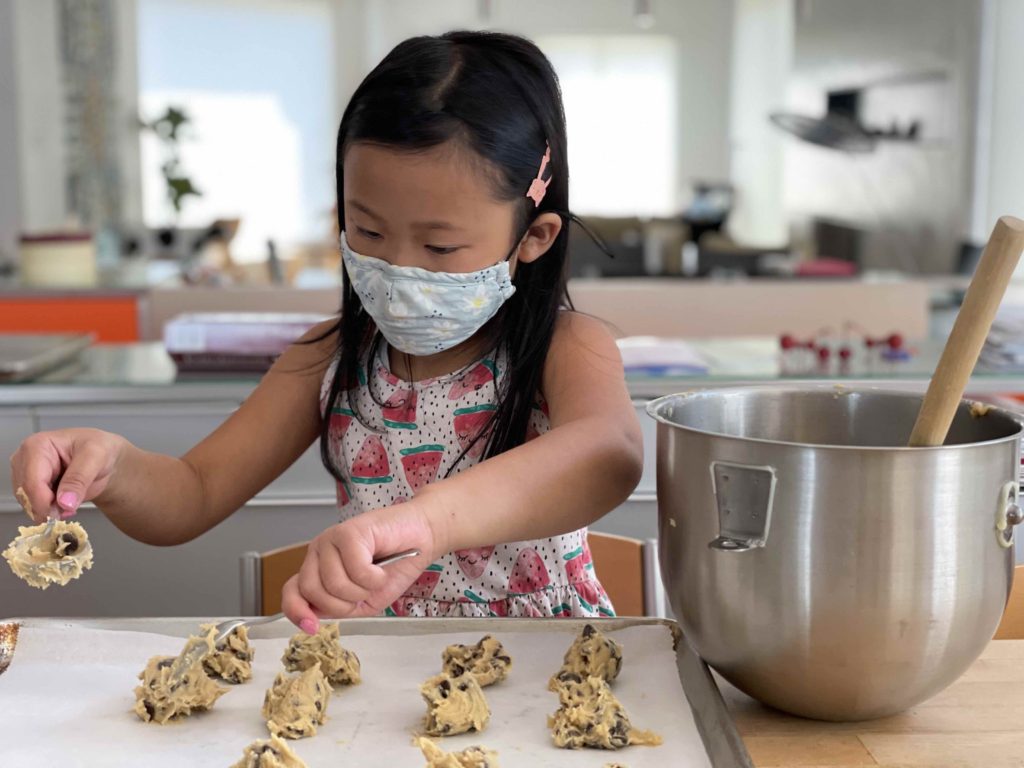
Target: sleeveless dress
{"points": [[412, 440]]}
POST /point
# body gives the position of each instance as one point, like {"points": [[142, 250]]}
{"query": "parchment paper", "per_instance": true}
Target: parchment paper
{"points": [[66, 701]]}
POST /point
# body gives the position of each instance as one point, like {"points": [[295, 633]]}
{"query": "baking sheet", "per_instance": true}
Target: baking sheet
{"points": [[68, 696]]}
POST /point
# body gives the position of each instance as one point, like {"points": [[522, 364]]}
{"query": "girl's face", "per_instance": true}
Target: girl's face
{"points": [[433, 209]]}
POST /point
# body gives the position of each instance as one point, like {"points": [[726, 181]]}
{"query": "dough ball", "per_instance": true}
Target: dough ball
{"points": [[591, 716], [270, 753], [340, 666], [296, 704], [470, 757], [231, 659], [159, 700], [454, 705], [593, 655], [62, 556], [487, 660]]}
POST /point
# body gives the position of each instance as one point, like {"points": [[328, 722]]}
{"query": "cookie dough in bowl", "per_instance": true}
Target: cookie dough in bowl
{"points": [[269, 753], [62, 556], [340, 666]]}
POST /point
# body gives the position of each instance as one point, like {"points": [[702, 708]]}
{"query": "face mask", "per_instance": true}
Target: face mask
{"points": [[421, 312]]}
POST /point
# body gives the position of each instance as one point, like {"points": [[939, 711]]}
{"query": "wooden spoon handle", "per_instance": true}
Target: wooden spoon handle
{"points": [[973, 322]]}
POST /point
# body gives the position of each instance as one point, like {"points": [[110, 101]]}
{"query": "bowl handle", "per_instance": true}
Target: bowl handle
{"points": [[1009, 514], [744, 495]]}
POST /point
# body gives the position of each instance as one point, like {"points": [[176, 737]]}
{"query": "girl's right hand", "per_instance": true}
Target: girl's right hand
{"points": [[64, 468]]}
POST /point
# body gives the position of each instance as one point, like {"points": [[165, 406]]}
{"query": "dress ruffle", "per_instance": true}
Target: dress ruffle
{"points": [[578, 599]]}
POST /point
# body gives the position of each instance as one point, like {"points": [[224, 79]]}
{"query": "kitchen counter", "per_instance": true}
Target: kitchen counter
{"points": [[972, 724], [143, 372]]}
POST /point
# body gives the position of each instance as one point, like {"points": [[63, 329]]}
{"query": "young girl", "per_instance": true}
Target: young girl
{"points": [[464, 410]]}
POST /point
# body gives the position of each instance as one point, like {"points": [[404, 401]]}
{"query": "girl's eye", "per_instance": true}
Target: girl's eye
{"points": [[442, 250], [368, 234]]}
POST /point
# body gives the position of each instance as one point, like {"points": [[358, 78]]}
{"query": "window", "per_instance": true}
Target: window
{"points": [[255, 78], [620, 105]]}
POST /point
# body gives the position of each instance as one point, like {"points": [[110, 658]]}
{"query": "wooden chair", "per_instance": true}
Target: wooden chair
{"points": [[1012, 625], [627, 568]]}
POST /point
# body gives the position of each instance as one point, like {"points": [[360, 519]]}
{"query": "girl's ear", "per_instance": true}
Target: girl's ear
{"points": [[539, 237]]}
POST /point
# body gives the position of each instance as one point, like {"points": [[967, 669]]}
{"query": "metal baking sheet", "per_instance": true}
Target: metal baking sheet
{"points": [[23, 357], [721, 742]]}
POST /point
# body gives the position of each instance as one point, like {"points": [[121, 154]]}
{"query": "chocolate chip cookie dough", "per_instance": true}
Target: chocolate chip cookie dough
{"points": [[340, 666], [62, 556], [591, 716], [454, 705], [471, 757], [486, 660], [297, 704], [270, 753], [593, 654], [231, 659], [160, 700]]}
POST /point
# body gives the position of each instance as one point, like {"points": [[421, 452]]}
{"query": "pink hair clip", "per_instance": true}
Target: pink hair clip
{"points": [[539, 187]]}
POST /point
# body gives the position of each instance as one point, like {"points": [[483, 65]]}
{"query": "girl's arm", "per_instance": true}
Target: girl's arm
{"points": [[163, 500], [584, 467]]}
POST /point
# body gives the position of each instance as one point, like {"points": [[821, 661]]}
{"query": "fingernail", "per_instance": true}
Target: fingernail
{"points": [[65, 515], [68, 500], [309, 626]]}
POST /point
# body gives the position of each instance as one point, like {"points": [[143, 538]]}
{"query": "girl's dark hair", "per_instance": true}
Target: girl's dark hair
{"points": [[497, 95]]}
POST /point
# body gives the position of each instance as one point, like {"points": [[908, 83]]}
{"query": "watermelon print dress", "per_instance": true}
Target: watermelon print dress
{"points": [[411, 441]]}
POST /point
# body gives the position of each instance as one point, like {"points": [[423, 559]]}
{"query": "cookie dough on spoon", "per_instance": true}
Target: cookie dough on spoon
{"points": [[58, 558]]}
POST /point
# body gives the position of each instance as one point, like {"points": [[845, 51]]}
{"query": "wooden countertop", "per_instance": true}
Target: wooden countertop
{"points": [[978, 722]]}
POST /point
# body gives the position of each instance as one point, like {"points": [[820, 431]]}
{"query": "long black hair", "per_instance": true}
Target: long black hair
{"points": [[498, 96]]}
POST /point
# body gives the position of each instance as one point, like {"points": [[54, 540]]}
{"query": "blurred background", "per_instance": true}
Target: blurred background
{"points": [[707, 137], [792, 189]]}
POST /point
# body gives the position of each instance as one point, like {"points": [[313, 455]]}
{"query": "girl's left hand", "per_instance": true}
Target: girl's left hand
{"points": [[338, 578]]}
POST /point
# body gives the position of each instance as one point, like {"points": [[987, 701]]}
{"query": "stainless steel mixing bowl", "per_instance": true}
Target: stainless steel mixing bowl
{"points": [[818, 564]]}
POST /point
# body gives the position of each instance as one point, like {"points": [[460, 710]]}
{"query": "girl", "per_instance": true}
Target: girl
{"points": [[464, 410]]}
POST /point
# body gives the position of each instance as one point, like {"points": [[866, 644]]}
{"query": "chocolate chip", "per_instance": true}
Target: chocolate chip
{"points": [[150, 709], [504, 659], [318, 705], [164, 663], [443, 688], [71, 540], [588, 630]]}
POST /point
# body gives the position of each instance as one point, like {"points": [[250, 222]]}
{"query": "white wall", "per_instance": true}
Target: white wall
{"points": [[368, 29], [762, 59], [915, 195], [10, 206], [999, 187]]}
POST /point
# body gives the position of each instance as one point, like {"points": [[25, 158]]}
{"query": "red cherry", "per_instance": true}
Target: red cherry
{"points": [[895, 341], [823, 353], [845, 353], [869, 342], [787, 341]]}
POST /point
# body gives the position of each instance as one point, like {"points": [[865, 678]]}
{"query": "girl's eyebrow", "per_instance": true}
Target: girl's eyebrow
{"points": [[369, 212], [434, 225]]}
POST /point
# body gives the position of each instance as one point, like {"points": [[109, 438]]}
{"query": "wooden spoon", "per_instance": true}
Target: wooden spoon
{"points": [[973, 322]]}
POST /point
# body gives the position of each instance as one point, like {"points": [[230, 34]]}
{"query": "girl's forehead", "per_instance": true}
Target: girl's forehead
{"points": [[440, 184]]}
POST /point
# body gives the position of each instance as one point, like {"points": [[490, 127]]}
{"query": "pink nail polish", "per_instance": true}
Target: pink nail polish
{"points": [[309, 626], [68, 500]]}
